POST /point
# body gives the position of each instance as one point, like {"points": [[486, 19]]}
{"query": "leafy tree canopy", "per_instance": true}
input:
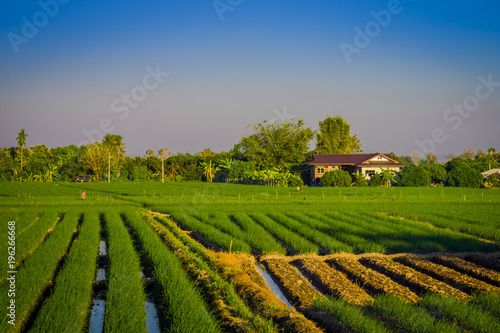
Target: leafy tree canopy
{"points": [[334, 137], [275, 144]]}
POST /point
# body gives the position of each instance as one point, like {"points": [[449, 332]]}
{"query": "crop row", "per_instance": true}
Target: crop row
{"points": [[456, 279], [35, 275], [226, 279], [125, 296], [391, 308], [29, 238], [67, 307], [183, 308]]}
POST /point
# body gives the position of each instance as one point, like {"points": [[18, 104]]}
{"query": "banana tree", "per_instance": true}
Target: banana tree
{"points": [[209, 170], [388, 176]]}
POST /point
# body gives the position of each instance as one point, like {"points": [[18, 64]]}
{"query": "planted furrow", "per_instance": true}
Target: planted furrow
{"points": [[468, 315], [36, 274], [211, 233], [346, 232], [410, 317], [291, 239], [463, 266], [301, 294], [28, 241], [327, 243], [295, 287], [412, 278], [333, 281], [373, 281], [447, 275], [67, 308], [257, 236], [484, 260], [229, 309], [249, 285], [125, 296], [181, 306]]}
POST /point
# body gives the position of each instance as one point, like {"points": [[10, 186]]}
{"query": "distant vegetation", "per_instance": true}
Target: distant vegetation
{"points": [[273, 154]]}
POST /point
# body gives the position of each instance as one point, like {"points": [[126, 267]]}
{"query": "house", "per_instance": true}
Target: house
{"points": [[490, 172], [367, 164]]}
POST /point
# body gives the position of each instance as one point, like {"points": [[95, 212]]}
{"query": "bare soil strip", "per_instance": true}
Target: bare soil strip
{"points": [[332, 281], [458, 280], [463, 266], [373, 281], [412, 278]]}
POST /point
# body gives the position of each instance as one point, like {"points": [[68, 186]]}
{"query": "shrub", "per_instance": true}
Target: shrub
{"points": [[414, 175], [336, 178], [295, 181], [360, 180], [493, 181], [437, 172], [140, 173], [465, 176], [377, 180]]}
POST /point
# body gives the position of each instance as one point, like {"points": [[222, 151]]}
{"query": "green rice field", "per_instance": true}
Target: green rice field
{"points": [[157, 245]]}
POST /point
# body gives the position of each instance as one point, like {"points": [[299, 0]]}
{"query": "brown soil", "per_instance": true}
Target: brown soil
{"points": [[458, 280], [373, 281], [331, 281]]}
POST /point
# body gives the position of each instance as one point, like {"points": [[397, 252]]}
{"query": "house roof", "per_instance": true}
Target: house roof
{"points": [[351, 159], [490, 172]]}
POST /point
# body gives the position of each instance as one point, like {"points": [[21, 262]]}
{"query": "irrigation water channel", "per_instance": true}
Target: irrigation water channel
{"points": [[272, 285], [96, 324]]}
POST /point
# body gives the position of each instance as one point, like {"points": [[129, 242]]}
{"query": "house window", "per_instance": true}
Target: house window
{"points": [[320, 169], [370, 173]]}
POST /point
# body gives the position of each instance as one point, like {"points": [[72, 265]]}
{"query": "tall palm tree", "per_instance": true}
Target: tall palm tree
{"points": [[164, 154], [21, 141]]}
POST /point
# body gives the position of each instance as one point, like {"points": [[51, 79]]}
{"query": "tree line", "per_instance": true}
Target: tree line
{"points": [[272, 154]]}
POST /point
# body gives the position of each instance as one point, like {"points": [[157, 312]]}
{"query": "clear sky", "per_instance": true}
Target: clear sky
{"points": [[190, 75]]}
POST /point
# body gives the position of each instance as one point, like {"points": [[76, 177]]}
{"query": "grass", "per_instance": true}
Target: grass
{"points": [[466, 315], [351, 316], [67, 307], [36, 274], [125, 298], [182, 307], [409, 317]]}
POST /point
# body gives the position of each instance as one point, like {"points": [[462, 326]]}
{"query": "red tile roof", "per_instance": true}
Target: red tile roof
{"points": [[349, 159]]}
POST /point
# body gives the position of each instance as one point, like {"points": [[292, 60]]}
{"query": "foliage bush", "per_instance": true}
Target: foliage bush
{"points": [[465, 176], [494, 181], [336, 178], [437, 172], [140, 173], [415, 176], [295, 181], [376, 180], [360, 180]]}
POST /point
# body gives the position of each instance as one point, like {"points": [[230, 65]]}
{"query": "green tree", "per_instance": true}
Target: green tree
{"points": [[336, 178], [21, 141], [334, 137], [388, 176], [275, 144], [465, 176], [209, 170], [116, 150], [360, 179], [414, 176]]}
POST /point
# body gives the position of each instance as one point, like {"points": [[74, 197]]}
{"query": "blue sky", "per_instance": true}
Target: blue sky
{"points": [[72, 75]]}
